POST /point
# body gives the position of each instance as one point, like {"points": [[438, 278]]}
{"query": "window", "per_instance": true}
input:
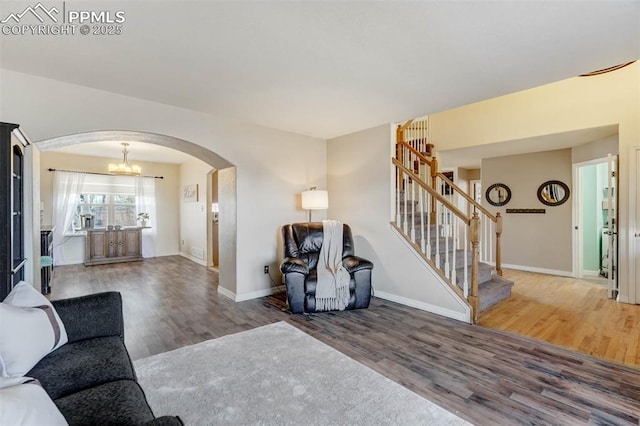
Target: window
{"points": [[108, 200], [107, 209]]}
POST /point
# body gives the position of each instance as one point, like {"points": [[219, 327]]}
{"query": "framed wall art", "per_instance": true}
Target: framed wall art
{"points": [[190, 193]]}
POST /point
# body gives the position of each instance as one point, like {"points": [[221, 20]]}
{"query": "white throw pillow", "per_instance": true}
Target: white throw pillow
{"points": [[30, 328], [24, 402]]}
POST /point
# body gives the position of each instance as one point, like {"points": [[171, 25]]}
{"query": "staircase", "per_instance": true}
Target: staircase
{"points": [[453, 233]]}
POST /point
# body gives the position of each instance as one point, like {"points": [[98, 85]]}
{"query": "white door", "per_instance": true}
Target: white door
{"points": [[611, 228]]}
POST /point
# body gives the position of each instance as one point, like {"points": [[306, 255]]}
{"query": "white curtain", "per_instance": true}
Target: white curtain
{"points": [[67, 187], [146, 202]]}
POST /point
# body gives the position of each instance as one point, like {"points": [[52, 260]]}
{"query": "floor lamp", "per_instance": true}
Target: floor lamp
{"points": [[314, 199]]}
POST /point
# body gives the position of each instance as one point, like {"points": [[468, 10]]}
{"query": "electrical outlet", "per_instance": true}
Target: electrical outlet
{"points": [[266, 269]]}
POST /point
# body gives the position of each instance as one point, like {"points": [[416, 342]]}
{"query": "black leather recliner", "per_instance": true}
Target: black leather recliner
{"points": [[302, 243]]}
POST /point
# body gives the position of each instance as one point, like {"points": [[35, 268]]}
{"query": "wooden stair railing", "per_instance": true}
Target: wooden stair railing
{"points": [[433, 240], [496, 219], [425, 196]]}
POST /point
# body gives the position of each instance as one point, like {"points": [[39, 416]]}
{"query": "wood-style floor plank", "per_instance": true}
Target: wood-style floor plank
{"points": [[486, 376], [569, 312]]}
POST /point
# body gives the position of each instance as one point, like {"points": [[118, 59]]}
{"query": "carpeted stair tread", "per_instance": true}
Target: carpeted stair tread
{"points": [[459, 257], [416, 220], [493, 291], [492, 288], [485, 273]]}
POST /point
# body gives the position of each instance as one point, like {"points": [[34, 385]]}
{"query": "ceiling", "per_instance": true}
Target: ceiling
{"points": [[330, 68], [138, 151], [471, 157]]}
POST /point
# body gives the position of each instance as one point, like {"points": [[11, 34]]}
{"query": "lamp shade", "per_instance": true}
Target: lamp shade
{"points": [[315, 200]]}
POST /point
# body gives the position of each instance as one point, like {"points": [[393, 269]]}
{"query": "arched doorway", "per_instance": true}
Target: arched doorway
{"points": [[226, 190]]}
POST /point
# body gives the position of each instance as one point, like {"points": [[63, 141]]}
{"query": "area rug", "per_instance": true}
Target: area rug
{"points": [[277, 374]]}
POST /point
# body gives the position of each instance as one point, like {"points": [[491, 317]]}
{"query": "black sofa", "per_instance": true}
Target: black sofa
{"points": [[91, 378], [302, 243]]}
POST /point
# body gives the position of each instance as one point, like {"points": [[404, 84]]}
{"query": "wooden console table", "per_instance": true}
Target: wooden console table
{"points": [[113, 246]]}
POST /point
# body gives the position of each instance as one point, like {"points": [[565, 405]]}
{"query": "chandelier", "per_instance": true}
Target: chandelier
{"points": [[124, 168]]}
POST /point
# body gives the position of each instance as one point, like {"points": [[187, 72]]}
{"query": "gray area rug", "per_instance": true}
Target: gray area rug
{"points": [[277, 374]]}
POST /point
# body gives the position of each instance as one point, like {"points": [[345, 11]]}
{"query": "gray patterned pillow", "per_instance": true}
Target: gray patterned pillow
{"points": [[30, 328]]}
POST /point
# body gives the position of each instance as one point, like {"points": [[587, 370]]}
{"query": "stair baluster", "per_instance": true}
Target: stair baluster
{"points": [[465, 283], [438, 231], [422, 242], [413, 211], [429, 222], [405, 186], [447, 269]]}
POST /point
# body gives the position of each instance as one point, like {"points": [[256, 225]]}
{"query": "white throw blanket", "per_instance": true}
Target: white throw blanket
{"points": [[332, 289]]}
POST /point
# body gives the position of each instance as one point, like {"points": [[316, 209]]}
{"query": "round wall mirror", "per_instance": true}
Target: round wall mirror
{"points": [[498, 194], [553, 193]]}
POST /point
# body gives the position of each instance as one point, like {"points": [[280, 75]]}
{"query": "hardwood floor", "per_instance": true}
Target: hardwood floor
{"points": [[485, 376], [569, 312]]}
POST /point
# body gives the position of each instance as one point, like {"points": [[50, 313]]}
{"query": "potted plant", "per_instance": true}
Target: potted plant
{"points": [[143, 217]]}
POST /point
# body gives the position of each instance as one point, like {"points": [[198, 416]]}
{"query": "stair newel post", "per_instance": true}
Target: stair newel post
{"points": [[434, 185], [399, 135], [498, 243], [475, 241], [399, 139], [399, 152]]}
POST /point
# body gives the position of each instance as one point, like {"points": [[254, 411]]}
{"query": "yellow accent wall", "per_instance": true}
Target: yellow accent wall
{"points": [[572, 104]]}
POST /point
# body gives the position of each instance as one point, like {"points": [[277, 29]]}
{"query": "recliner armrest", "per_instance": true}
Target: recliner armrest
{"points": [[354, 263], [293, 264], [95, 315]]}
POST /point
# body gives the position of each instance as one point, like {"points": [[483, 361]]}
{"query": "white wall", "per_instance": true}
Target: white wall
{"points": [[193, 215], [595, 150], [360, 191], [166, 199], [272, 166], [228, 219], [461, 178], [573, 104], [531, 241]]}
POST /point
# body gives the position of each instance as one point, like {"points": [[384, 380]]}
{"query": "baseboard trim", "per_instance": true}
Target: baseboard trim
{"points": [[164, 254], [460, 316], [539, 270], [260, 293], [193, 259], [227, 293], [594, 276], [625, 299], [69, 262]]}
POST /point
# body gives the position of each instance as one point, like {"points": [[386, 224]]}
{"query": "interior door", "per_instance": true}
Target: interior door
{"points": [[611, 228]]}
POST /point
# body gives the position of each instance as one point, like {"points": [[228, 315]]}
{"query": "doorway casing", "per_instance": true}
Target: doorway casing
{"points": [[228, 273], [579, 210]]}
